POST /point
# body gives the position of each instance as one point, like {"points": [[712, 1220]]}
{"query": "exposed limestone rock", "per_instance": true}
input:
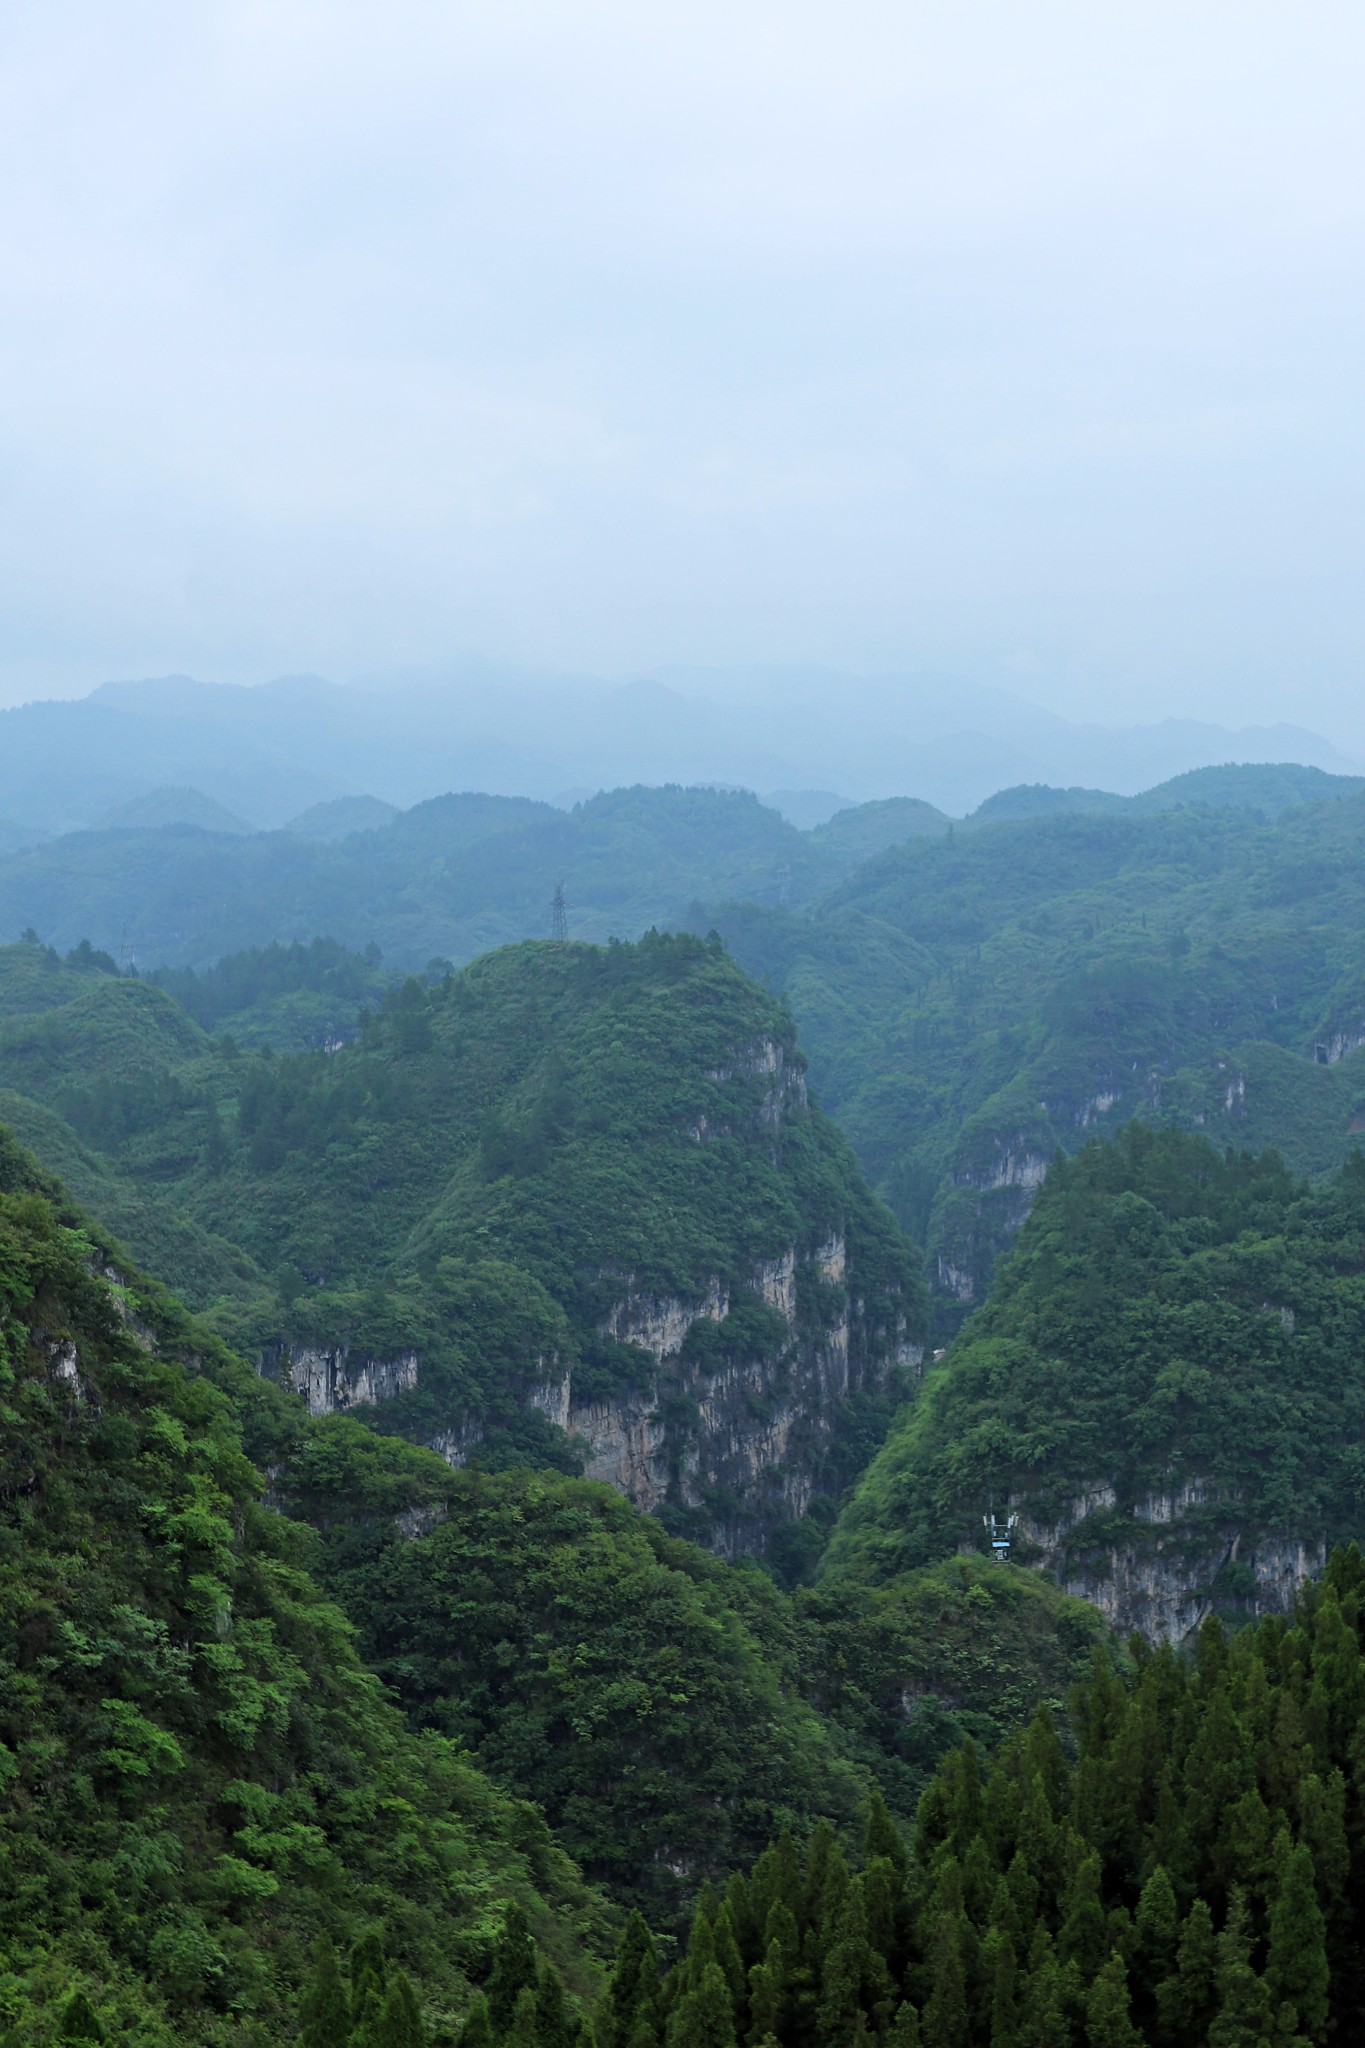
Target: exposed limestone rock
{"points": [[954, 1280], [335, 1379], [775, 1280], [1022, 1169], [660, 1323], [420, 1521], [757, 1427], [786, 1084], [1155, 1567]]}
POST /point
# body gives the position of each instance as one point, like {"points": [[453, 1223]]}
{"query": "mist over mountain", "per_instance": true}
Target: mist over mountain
{"points": [[267, 754]]}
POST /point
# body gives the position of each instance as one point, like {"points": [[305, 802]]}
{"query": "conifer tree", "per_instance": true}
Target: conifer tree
{"points": [[945, 2021], [477, 2031], [79, 2021], [854, 1978], [633, 1986], [1108, 2020], [882, 1902], [826, 1877], [1082, 1938], [1043, 2018], [905, 2028], [883, 1838], [1000, 1966], [1245, 2008], [1185, 2001], [703, 2016], [1157, 1929], [726, 1951], [400, 2019], [1296, 1969], [368, 1970], [770, 1994], [514, 1969], [555, 2027], [324, 2014], [521, 2031]]}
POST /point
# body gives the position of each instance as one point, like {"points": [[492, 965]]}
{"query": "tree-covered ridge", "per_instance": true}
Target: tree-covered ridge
{"points": [[1169, 1317], [449, 878], [197, 1775], [500, 1161], [667, 1711], [1191, 1880], [976, 1002]]}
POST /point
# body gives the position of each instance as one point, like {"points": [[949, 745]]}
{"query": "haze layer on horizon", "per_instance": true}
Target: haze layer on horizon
{"points": [[1020, 344]]}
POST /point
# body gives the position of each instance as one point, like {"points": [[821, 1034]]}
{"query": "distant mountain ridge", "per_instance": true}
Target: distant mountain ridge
{"points": [[465, 871], [270, 753]]}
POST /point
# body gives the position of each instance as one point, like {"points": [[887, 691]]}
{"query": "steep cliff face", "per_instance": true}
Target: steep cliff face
{"points": [[334, 1379], [740, 1432], [747, 1436], [1161, 1564], [643, 1247]]}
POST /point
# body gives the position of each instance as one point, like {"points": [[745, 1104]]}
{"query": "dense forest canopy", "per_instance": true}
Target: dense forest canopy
{"points": [[1171, 1318], [307, 1732]]}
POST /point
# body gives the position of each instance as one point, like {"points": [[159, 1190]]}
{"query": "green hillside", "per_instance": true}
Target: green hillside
{"points": [[974, 1004], [197, 1775], [1170, 1359], [511, 1180], [449, 878], [1190, 1880]]}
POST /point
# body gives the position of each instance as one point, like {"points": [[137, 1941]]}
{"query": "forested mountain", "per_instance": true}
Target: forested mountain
{"points": [[1191, 1880], [1165, 1388], [198, 1777], [451, 1241], [456, 875], [571, 1203], [974, 1004]]}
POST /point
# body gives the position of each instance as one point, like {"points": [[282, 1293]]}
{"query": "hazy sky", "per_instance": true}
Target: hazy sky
{"points": [[1021, 341]]}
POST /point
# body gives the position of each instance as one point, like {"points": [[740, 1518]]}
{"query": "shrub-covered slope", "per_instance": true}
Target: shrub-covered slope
{"points": [[197, 1775], [1166, 1385], [568, 1192]]}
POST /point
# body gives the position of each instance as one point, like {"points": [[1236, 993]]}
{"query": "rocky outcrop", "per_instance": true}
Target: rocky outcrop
{"points": [[660, 1323], [1159, 1565], [335, 1379], [1013, 1168], [751, 1432], [784, 1080]]}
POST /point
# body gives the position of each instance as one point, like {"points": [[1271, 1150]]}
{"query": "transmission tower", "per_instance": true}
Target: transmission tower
{"points": [[559, 916]]}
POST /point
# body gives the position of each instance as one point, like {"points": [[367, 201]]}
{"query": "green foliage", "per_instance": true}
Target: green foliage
{"points": [[974, 1003], [198, 1778], [481, 1179], [1168, 1313], [1105, 1902], [294, 997], [616, 1675]]}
